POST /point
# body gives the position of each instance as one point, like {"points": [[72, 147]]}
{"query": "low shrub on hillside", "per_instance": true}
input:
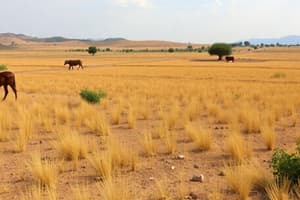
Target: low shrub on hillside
{"points": [[3, 67], [287, 164], [92, 96]]}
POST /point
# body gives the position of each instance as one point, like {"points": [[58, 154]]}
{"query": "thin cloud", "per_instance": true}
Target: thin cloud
{"points": [[138, 3]]}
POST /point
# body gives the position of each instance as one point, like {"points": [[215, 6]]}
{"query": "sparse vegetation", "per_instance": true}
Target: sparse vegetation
{"points": [[3, 67], [91, 96]]}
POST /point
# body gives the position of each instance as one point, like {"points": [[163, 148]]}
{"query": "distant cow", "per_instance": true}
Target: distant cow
{"points": [[8, 78], [72, 63], [229, 58]]}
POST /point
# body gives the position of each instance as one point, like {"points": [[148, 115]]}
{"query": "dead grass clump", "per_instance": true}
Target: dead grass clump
{"points": [[116, 114], [279, 191], [71, 146], [243, 178], [201, 137], [25, 132], [122, 156], [193, 109], [269, 136], [62, 115], [5, 125], [102, 164], [98, 124], [131, 118], [45, 172], [114, 191], [170, 141], [238, 148], [149, 147]]}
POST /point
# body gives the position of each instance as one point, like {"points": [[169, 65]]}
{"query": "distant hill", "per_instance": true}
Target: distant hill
{"points": [[287, 40], [21, 40]]}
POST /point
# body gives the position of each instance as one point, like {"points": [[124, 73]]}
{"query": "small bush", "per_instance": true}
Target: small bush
{"points": [[91, 96], [171, 50], [3, 67], [287, 165]]}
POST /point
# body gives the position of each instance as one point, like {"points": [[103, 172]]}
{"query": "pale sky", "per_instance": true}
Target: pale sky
{"points": [[198, 21]]}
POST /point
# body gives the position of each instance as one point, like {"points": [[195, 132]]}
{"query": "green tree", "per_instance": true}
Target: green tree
{"points": [[220, 49], [92, 50]]}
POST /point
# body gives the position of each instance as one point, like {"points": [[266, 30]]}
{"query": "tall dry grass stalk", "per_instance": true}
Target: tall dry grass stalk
{"points": [[102, 164], [5, 125], [238, 148], [131, 118], [193, 109], [62, 115], [269, 136], [116, 114], [170, 141], [121, 155], [45, 172], [71, 146], [201, 137], [243, 178], [98, 124], [26, 129], [114, 191], [279, 191], [149, 146]]}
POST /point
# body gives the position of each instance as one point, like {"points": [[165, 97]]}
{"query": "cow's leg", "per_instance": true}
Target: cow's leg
{"points": [[69, 67], [5, 92], [13, 87]]}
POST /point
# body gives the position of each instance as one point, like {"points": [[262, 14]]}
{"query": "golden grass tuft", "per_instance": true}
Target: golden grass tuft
{"points": [[98, 124], [269, 136], [45, 172], [131, 118], [116, 114], [121, 155], [170, 141], [201, 137], [279, 191], [114, 191], [149, 147], [240, 178], [5, 125], [71, 146], [238, 148], [25, 132], [102, 164]]}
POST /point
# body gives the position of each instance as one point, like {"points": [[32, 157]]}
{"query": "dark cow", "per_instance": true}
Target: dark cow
{"points": [[72, 63], [8, 78], [229, 58]]}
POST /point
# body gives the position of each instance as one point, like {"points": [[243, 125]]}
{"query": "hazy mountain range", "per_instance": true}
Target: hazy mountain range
{"points": [[287, 40]]}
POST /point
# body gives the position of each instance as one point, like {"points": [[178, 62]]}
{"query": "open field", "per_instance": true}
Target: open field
{"points": [[159, 106]]}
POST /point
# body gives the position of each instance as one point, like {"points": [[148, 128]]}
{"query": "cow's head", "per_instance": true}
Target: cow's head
{"points": [[66, 62]]}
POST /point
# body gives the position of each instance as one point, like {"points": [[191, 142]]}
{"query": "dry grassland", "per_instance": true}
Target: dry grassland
{"points": [[225, 118]]}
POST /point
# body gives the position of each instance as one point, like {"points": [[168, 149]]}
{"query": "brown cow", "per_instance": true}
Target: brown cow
{"points": [[72, 63], [8, 78], [229, 58]]}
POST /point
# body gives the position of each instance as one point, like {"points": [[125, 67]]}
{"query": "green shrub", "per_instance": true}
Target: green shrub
{"points": [[3, 67], [92, 50], [287, 165], [220, 49], [91, 96]]}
